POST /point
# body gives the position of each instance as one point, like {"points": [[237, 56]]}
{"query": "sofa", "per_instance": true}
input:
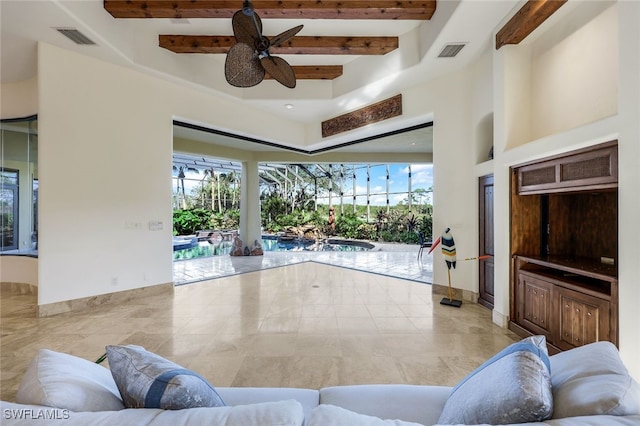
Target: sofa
{"points": [[588, 385]]}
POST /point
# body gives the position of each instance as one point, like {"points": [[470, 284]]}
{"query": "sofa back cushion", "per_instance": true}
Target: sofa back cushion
{"points": [[68, 382], [591, 380], [410, 403]]}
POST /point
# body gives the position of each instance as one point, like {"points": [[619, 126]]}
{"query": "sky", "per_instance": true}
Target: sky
{"points": [[421, 177]]}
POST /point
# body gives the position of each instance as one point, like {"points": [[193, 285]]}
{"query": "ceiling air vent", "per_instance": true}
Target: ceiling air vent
{"points": [[75, 36], [451, 50]]}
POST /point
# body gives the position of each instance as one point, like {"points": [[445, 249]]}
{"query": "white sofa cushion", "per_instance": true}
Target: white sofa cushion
{"points": [[308, 398], [514, 386], [147, 380], [331, 415], [64, 381], [412, 403], [590, 380], [280, 413]]}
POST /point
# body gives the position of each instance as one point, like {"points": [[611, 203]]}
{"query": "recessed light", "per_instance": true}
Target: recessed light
{"points": [[288, 106]]}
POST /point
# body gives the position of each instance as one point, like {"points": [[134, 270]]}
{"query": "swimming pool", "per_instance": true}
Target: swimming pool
{"points": [[271, 243]]}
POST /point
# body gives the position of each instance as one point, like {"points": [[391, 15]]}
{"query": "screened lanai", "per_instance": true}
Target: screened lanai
{"points": [[203, 182], [383, 207]]}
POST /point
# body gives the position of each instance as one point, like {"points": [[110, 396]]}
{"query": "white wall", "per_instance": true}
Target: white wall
{"points": [[19, 99], [19, 269], [105, 171], [574, 72], [450, 98], [629, 178]]}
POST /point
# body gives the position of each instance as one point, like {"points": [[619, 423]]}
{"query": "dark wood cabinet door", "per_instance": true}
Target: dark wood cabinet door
{"points": [[486, 284], [583, 319], [535, 304]]}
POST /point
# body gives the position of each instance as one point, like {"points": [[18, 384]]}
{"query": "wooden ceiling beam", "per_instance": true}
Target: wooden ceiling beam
{"points": [[300, 45], [315, 72], [280, 9], [526, 20]]}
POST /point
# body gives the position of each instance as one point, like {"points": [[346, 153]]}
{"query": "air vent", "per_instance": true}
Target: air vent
{"points": [[451, 50], [75, 36]]}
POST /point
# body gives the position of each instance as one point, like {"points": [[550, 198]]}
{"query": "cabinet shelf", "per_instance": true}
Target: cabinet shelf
{"points": [[595, 285], [579, 266]]}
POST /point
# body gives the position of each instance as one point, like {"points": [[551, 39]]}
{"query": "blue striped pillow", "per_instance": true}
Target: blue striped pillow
{"points": [[146, 380]]}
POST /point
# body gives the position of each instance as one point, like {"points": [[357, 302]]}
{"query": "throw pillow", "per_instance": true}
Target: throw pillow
{"points": [[147, 380], [59, 380], [331, 415], [514, 386], [592, 380]]}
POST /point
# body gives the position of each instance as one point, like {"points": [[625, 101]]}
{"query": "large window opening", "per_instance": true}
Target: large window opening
{"points": [[19, 186], [370, 202]]}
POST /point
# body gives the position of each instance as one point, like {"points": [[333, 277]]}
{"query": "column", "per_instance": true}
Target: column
{"points": [[250, 204]]}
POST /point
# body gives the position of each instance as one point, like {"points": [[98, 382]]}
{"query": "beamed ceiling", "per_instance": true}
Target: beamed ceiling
{"points": [[299, 45], [349, 55]]}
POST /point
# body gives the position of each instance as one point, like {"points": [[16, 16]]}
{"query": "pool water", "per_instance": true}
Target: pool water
{"points": [[206, 249]]}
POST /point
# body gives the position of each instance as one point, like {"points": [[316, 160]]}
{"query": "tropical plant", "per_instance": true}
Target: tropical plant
{"points": [[347, 225], [187, 222]]}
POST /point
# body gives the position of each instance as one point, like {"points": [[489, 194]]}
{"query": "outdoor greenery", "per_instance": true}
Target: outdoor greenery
{"points": [[215, 205], [187, 222]]}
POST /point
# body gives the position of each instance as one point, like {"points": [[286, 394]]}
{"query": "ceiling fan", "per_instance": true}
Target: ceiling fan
{"points": [[249, 59]]}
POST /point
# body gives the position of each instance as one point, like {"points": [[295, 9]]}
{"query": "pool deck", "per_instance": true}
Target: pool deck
{"points": [[396, 260]]}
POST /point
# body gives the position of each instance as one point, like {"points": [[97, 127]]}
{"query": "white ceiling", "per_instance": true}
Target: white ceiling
{"points": [[133, 43]]}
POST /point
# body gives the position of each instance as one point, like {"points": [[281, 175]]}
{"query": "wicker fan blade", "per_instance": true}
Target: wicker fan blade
{"points": [[242, 68], [285, 36], [280, 70], [244, 28]]}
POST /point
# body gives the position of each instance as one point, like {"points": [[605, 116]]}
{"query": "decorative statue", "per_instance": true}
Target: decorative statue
{"points": [[257, 249], [236, 248], [332, 219]]}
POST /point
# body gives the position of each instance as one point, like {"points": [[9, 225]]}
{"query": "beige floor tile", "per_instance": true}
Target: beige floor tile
{"points": [[305, 325]]}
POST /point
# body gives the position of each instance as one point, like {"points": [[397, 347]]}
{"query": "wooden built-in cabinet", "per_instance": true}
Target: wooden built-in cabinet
{"points": [[562, 241]]}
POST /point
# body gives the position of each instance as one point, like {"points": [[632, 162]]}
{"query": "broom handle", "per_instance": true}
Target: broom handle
{"points": [[449, 276]]}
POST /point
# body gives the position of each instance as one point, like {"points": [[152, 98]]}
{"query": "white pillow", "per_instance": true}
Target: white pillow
{"points": [[592, 380], [331, 415], [59, 380]]}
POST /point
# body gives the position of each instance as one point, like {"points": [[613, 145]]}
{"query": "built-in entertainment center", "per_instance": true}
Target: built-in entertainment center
{"points": [[564, 247]]}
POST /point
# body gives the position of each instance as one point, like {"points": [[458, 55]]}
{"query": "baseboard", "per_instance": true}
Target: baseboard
{"points": [[458, 294], [102, 299], [19, 288]]}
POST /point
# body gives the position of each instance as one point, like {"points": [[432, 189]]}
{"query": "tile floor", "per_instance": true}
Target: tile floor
{"points": [[395, 260], [308, 324]]}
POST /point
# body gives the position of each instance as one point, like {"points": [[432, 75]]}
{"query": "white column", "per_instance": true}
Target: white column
{"points": [[250, 204]]}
